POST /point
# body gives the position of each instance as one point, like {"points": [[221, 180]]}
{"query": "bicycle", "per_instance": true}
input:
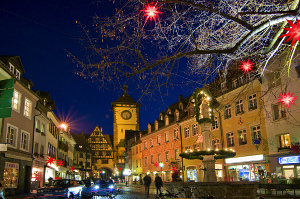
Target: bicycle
{"points": [[193, 194], [168, 195], [109, 195]]}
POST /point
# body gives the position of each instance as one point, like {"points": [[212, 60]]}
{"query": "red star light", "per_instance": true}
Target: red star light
{"points": [[60, 162], [295, 148], [246, 66], [294, 32], [50, 161], [72, 168], [156, 164], [287, 99], [151, 12]]}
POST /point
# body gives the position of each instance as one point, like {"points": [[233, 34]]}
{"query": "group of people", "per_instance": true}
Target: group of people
{"points": [[158, 184]]}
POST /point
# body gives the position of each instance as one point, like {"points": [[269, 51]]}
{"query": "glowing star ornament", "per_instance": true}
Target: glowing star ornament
{"points": [[246, 66], [294, 32], [72, 168], [287, 99], [295, 148], [156, 164], [151, 12], [60, 162], [50, 161]]}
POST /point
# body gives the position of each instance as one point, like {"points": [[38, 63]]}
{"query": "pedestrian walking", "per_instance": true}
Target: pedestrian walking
{"points": [[147, 182], [158, 184]]}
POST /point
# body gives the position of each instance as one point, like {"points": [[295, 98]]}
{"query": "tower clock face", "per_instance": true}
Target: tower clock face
{"points": [[126, 115]]}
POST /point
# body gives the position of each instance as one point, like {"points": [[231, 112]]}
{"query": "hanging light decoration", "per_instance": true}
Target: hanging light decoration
{"points": [[60, 162], [287, 99], [50, 161], [151, 12], [294, 32], [246, 66], [72, 168]]}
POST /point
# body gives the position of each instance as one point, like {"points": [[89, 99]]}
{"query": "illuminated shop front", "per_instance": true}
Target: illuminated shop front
{"points": [[247, 168], [191, 174], [11, 175], [288, 167], [50, 172]]}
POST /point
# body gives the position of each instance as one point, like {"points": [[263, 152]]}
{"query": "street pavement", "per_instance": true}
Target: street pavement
{"points": [[127, 192]]}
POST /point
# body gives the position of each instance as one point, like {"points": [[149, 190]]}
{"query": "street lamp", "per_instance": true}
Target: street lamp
{"points": [[161, 166]]}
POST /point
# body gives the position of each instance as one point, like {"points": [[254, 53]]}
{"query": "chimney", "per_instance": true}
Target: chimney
{"points": [[180, 98], [81, 133]]}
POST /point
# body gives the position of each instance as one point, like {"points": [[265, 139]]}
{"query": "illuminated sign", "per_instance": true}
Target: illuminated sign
{"points": [[289, 160], [245, 159]]}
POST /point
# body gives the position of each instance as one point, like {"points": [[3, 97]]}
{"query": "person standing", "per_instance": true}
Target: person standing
{"points": [[158, 184], [147, 182]]}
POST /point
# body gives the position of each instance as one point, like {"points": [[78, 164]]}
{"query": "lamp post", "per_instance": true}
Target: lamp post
{"points": [[161, 166]]}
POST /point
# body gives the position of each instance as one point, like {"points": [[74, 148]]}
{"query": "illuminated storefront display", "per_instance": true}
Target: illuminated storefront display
{"points": [[247, 168], [11, 175], [289, 160]]}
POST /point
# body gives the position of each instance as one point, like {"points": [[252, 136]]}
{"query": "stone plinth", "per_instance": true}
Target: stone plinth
{"points": [[220, 190]]}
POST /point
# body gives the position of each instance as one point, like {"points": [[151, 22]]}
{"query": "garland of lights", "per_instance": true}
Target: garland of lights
{"points": [[218, 154], [203, 93]]}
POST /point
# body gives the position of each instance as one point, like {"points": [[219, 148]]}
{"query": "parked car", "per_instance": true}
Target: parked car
{"points": [[88, 183], [61, 189], [2, 192]]}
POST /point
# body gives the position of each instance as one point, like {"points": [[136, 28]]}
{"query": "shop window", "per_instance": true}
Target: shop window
{"points": [[11, 175], [256, 134], [284, 141], [242, 137], [227, 111], [230, 139]]}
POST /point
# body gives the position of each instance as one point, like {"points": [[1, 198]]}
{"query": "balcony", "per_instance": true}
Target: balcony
{"points": [[284, 149]]}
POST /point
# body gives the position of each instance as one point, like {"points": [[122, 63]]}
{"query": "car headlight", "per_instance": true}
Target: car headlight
{"points": [[97, 187], [111, 186]]}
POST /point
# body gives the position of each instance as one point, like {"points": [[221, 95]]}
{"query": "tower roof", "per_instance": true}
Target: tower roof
{"points": [[125, 98]]}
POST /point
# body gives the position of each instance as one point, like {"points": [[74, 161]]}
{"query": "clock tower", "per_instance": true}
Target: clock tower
{"points": [[126, 117]]}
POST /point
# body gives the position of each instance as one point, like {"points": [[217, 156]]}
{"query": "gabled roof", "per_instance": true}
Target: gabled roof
{"points": [[80, 141], [125, 99], [13, 59]]}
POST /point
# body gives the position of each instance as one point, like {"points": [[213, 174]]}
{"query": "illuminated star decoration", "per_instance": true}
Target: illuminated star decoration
{"points": [[246, 66], [156, 164], [50, 160], [151, 12], [294, 32], [72, 168], [287, 99], [295, 148], [60, 162], [174, 169]]}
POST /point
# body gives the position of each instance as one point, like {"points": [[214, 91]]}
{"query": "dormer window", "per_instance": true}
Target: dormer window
{"points": [[223, 85], [156, 125], [166, 121], [18, 74], [177, 116], [11, 68], [241, 80], [161, 117], [149, 128], [234, 83]]}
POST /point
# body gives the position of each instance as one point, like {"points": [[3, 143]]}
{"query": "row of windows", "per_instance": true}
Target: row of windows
{"points": [[12, 138], [16, 104], [239, 81], [159, 157], [242, 136], [38, 149], [102, 153], [166, 138], [99, 146], [239, 106]]}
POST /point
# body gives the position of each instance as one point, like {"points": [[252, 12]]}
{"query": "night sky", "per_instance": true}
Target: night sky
{"points": [[40, 32]]}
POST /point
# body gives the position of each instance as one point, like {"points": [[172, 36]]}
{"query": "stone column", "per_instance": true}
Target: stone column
{"points": [[208, 160]]}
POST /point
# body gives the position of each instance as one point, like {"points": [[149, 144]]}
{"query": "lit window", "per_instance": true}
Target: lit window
{"points": [[24, 141], [16, 101], [11, 68], [27, 108], [216, 143], [11, 136], [17, 74], [186, 132], [242, 137], [195, 129], [256, 134], [284, 140], [252, 101], [230, 139]]}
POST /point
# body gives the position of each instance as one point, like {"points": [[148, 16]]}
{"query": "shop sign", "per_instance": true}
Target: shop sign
{"points": [[245, 159], [289, 160], [3, 147], [11, 165]]}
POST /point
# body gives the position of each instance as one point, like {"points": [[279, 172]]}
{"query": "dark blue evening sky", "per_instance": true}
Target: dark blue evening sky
{"points": [[40, 32]]}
